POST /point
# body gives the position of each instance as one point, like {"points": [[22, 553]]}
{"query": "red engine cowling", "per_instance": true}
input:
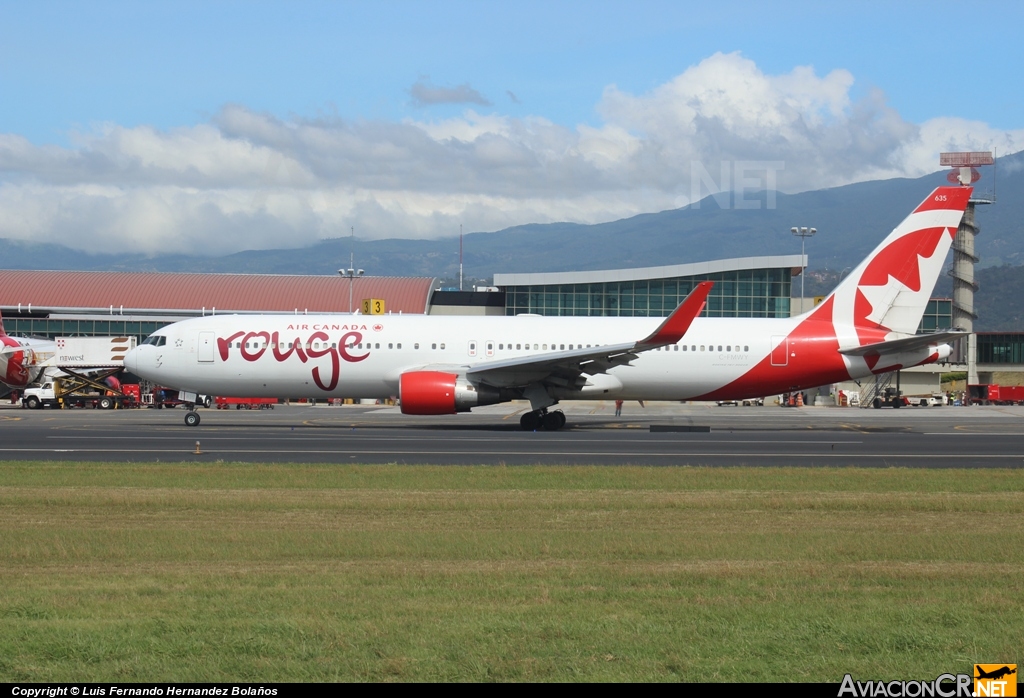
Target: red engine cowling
{"points": [[437, 392], [14, 362], [427, 392]]}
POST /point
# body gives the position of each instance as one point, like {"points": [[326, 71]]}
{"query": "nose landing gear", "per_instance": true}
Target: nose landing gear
{"points": [[542, 419]]}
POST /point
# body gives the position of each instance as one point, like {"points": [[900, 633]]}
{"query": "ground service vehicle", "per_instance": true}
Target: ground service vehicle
{"points": [[996, 394], [170, 398], [245, 403], [75, 390], [890, 397]]}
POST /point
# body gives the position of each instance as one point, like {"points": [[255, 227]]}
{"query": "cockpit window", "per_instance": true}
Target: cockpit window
{"points": [[156, 340]]}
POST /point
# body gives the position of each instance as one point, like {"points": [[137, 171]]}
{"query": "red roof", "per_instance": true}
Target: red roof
{"points": [[142, 291]]}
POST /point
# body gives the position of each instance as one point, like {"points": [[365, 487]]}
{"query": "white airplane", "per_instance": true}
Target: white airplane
{"points": [[20, 358], [444, 365]]}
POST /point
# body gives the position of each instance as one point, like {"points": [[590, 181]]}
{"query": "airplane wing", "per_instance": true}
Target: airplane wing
{"points": [[566, 368], [917, 341]]}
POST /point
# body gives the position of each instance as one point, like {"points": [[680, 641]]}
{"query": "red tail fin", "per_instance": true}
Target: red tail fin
{"points": [[889, 290]]}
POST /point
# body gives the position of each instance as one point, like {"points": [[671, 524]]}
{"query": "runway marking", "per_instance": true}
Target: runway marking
{"points": [[972, 433], [513, 414], [681, 441]]}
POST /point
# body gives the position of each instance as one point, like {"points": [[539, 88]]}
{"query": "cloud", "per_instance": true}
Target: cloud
{"points": [[512, 96], [425, 95], [251, 180]]}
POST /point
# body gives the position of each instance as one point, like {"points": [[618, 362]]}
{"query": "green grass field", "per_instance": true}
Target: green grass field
{"points": [[242, 572]]}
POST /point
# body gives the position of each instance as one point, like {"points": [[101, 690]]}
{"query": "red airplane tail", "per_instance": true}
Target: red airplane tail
{"points": [[886, 295], [14, 360]]}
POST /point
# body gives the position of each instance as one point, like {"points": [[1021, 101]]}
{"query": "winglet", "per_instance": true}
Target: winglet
{"points": [[676, 324]]}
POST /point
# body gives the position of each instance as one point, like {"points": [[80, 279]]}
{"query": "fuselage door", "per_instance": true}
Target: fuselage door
{"points": [[780, 351], [207, 341]]}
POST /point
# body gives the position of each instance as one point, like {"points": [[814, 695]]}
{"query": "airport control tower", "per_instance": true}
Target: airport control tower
{"points": [[964, 172]]}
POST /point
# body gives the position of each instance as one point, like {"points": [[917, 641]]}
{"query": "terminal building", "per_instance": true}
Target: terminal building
{"points": [[746, 287], [72, 303], [50, 304]]}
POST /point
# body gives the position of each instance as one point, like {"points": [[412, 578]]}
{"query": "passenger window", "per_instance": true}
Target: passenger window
{"points": [[442, 345], [561, 346], [434, 345], [519, 346], [415, 346], [728, 348], [746, 348], [702, 347], [391, 346], [399, 346]]}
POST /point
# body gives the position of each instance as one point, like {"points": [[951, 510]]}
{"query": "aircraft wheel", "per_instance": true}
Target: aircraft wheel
{"points": [[530, 421], [553, 421], [192, 419]]}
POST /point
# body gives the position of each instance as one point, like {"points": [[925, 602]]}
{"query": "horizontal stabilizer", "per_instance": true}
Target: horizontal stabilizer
{"points": [[917, 341]]}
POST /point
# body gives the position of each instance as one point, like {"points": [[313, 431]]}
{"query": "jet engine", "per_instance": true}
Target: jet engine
{"points": [[437, 392], [14, 363]]}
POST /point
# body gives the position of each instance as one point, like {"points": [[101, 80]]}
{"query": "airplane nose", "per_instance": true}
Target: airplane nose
{"points": [[131, 360]]}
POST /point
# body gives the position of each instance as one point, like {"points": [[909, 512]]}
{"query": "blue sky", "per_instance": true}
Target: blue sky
{"points": [[107, 97], [68, 65]]}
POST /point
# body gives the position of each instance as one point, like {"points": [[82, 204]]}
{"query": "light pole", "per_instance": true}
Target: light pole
{"points": [[803, 234], [351, 274]]}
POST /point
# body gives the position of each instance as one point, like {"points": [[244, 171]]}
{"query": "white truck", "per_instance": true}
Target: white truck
{"points": [[72, 391]]}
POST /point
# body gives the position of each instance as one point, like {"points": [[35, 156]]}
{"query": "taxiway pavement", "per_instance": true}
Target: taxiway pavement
{"points": [[930, 437]]}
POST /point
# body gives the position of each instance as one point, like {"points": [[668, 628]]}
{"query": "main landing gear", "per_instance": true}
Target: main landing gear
{"points": [[542, 419]]}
